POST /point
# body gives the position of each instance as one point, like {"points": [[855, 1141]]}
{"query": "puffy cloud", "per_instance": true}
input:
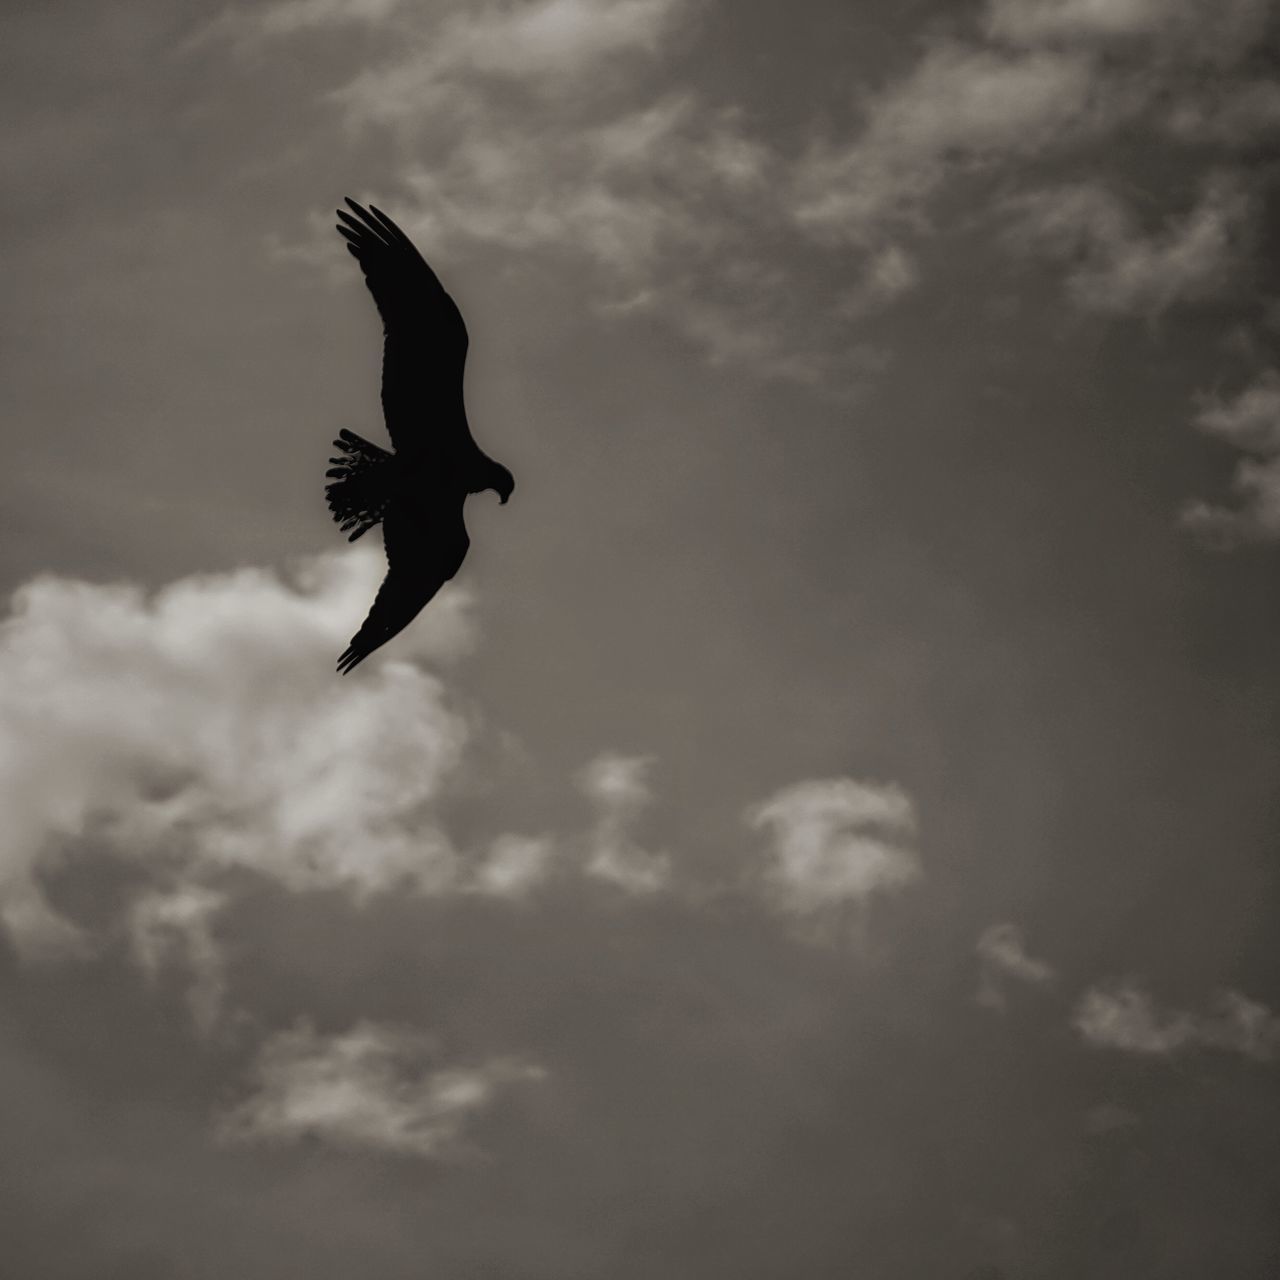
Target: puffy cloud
{"points": [[202, 724], [619, 791], [1003, 956], [367, 1088], [835, 843], [1120, 1015], [1250, 422], [1118, 268]]}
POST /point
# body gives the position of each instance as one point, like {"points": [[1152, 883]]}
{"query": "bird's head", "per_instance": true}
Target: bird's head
{"points": [[503, 482]]}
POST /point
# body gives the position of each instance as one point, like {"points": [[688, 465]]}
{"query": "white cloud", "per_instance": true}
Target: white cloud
{"points": [[1116, 267], [530, 127], [1121, 1015], [961, 106], [203, 724], [369, 1088], [626, 194], [1003, 956], [1254, 518], [1250, 422], [248, 26], [1221, 30], [618, 788], [515, 865], [550, 46], [165, 926], [835, 843], [284, 17]]}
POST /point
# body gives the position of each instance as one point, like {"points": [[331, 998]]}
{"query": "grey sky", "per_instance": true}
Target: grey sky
{"points": [[829, 828]]}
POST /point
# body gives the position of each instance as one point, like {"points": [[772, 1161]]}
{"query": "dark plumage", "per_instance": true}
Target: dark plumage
{"points": [[417, 492]]}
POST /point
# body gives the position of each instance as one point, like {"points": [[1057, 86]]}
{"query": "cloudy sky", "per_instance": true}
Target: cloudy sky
{"points": [[829, 828]]}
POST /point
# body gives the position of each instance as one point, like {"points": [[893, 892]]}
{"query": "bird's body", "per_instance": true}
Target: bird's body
{"points": [[417, 492]]}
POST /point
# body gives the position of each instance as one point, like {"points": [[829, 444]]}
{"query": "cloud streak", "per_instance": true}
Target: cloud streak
{"points": [[369, 1088], [1003, 958], [1122, 1016]]}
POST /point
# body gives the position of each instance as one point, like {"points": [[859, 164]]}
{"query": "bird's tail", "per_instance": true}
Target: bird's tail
{"points": [[359, 487]]}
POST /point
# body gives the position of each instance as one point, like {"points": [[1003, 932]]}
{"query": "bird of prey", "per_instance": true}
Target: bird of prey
{"points": [[417, 492]]}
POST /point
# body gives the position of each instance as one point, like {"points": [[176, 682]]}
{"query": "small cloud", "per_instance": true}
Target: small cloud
{"points": [[1120, 1015], [174, 926], [1116, 267], [515, 866], [370, 1088], [836, 843], [619, 791], [1251, 423], [1003, 957]]}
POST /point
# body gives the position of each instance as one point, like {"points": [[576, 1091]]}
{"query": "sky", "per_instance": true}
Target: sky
{"points": [[828, 827]]}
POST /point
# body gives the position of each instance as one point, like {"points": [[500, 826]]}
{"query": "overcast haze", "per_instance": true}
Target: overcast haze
{"points": [[829, 827]]}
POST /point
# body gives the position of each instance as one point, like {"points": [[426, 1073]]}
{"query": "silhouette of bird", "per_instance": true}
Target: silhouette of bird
{"points": [[417, 492]]}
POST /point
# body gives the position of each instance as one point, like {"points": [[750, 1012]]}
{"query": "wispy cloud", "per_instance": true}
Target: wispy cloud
{"points": [[1204, 30], [249, 26], [541, 128], [961, 106], [371, 1087], [545, 46], [592, 191], [1250, 423], [1121, 1015], [1004, 958], [175, 925], [835, 843], [619, 791], [1117, 267]]}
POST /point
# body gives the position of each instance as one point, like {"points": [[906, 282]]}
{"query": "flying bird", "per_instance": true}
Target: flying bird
{"points": [[416, 492]]}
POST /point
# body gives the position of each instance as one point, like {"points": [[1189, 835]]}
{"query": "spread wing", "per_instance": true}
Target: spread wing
{"points": [[425, 339], [423, 553]]}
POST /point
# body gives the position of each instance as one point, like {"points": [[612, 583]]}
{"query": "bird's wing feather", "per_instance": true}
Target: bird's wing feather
{"points": [[423, 553], [425, 339]]}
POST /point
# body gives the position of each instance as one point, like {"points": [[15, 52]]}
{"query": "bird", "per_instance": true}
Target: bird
{"points": [[416, 491]]}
